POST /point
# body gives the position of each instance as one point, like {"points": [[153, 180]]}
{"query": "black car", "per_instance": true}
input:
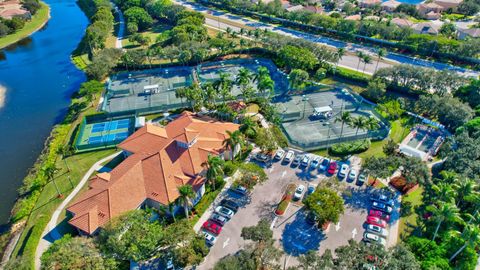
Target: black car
{"points": [[230, 205]]}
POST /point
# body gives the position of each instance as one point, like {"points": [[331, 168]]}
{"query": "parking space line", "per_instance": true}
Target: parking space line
{"points": [[354, 232], [337, 226], [271, 169], [284, 173], [226, 242]]}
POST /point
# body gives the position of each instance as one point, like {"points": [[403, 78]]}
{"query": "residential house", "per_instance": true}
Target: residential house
{"points": [[464, 33], [356, 17], [448, 4], [431, 11], [314, 9], [158, 161], [426, 28], [390, 5], [369, 3], [294, 8], [400, 22]]}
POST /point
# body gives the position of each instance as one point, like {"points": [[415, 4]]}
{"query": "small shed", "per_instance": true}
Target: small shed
{"points": [[324, 111]]}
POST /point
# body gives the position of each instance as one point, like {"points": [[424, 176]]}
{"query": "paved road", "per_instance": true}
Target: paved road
{"points": [[348, 61], [121, 27], [50, 234]]}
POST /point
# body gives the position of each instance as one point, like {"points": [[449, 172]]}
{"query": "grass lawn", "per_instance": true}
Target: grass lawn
{"points": [[335, 81], [152, 33], [48, 200], [40, 18], [408, 223]]}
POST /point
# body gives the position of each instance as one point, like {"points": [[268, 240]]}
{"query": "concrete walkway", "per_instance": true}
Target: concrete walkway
{"points": [[50, 231], [121, 27]]}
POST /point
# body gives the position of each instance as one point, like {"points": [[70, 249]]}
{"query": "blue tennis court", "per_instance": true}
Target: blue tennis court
{"points": [[112, 125], [106, 138]]}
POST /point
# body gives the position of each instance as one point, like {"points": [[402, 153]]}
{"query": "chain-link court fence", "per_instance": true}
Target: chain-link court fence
{"points": [[312, 121]]}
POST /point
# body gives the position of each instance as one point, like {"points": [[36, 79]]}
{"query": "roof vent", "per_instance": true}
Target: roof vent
{"points": [[154, 194], [101, 214]]}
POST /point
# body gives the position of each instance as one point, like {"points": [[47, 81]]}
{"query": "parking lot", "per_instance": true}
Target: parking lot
{"points": [[293, 233]]}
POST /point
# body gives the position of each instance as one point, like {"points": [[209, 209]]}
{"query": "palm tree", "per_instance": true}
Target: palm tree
{"points": [[466, 190], [372, 124], [248, 127], [471, 235], [214, 166], [185, 199], [446, 212], [181, 93], [243, 78], [345, 118], [360, 56], [262, 72], [339, 55], [223, 86], [358, 123], [266, 86], [444, 192], [210, 94], [49, 171], [367, 59], [234, 138], [380, 54]]}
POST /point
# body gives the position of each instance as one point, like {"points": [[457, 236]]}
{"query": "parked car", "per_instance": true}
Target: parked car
{"points": [[324, 165], [332, 167], [361, 179], [210, 239], [279, 155], [289, 156], [352, 175], [382, 207], [212, 227], [297, 160], [299, 192], [377, 230], [240, 189], [315, 162], [376, 221], [382, 198], [310, 189], [342, 172], [230, 205], [223, 211], [219, 219], [373, 238], [305, 161], [380, 214], [262, 157]]}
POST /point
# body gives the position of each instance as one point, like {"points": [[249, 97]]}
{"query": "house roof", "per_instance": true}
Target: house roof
{"points": [[314, 9], [402, 22], [390, 3], [162, 159], [473, 32]]}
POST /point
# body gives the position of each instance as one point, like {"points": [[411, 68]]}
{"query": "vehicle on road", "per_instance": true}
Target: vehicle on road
{"points": [[376, 221], [289, 156], [305, 161], [210, 239], [361, 179], [223, 211], [373, 238], [342, 172], [279, 155], [332, 167], [382, 207], [299, 192], [297, 160], [315, 162], [377, 230], [324, 165], [219, 219], [352, 175], [380, 214], [382, 198], [230, 205], [240, 189]]}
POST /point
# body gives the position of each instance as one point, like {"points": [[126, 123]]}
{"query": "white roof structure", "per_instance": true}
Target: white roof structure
{"points": [[322, 109], [150, 87], [139, 122], [412, 152]]}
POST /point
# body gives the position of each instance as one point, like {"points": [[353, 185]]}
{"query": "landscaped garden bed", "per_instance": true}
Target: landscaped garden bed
{"points": [[286, 199]]}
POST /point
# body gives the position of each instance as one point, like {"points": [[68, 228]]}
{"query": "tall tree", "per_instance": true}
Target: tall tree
{"points": [[446, 212], [325, 204], [214, 166], [185, 199], [234, 138], [345, 118], [380, 54], [471, 235]]}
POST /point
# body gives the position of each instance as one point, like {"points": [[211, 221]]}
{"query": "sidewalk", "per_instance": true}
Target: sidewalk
{"points": [[50, 230]]}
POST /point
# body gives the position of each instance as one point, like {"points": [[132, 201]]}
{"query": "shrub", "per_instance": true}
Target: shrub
{"points": [[347, 148], [280, 138], [282, 206], [230, 168], [253, 169], [352, 75]]}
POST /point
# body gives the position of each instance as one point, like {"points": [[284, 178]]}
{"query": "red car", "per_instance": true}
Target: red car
{"points": [[332, 167], [379, 214], [212, 227], [376, 221]]}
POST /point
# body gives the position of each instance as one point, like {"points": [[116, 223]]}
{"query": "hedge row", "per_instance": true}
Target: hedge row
{"points": [[347, 148]]}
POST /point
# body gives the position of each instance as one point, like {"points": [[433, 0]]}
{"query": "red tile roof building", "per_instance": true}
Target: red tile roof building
{"points": [[160, 159]]}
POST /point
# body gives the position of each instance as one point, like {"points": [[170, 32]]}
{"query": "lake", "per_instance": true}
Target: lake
{"points": [[36, 82]]}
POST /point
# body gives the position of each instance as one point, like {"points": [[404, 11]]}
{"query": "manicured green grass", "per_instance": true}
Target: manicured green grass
{"points": [[152, 33], [335, 81], [408, 223], [37, 21], [48, 200]]}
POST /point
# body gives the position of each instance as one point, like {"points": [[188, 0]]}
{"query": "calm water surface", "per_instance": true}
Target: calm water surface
{"points": [[36, 82]]}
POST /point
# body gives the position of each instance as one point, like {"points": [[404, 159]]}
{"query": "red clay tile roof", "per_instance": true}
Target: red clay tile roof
{"points": [[156, 168]]}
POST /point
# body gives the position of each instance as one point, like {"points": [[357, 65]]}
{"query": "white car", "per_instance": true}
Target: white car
{"points": [[362, 178], [377, 230], [373, 238], [299, 192], [352, 175], [210, 239], [315, 162], [279, 155], [223, 211], [343, 170], [289, 156]]}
